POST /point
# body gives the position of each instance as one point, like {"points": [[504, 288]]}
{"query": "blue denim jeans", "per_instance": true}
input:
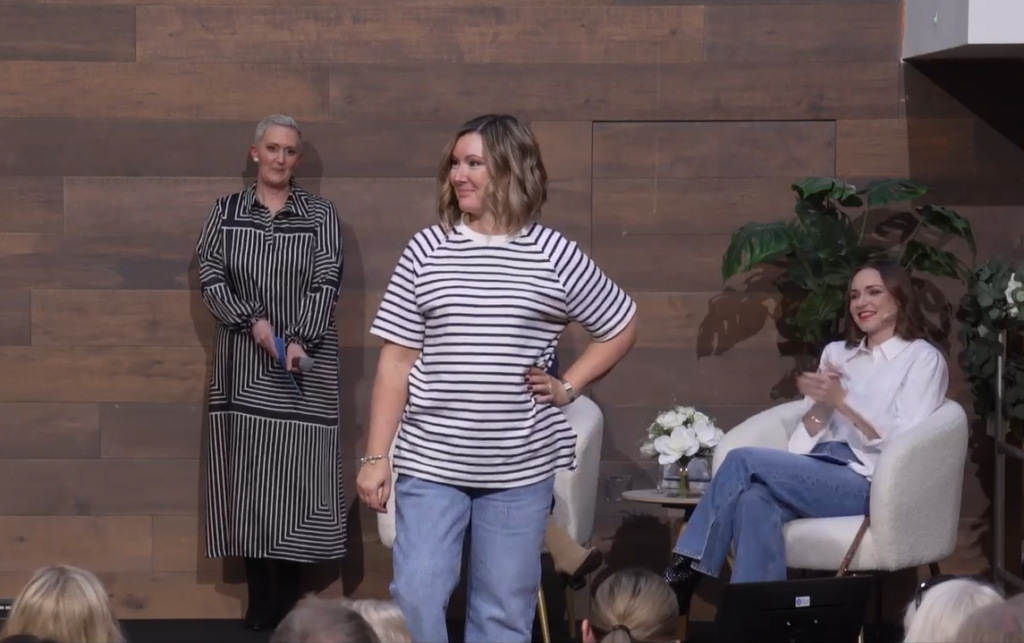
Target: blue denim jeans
{"points": [[754, 493], [506, 531]]}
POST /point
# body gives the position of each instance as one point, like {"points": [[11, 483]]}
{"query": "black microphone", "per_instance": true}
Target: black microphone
{"points": [[304, 364]]}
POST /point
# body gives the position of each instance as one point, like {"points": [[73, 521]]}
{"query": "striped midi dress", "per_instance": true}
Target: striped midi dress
{"points": [[273, 470]]}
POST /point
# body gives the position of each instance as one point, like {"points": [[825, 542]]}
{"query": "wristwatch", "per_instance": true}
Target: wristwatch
{"points": [[569, 389]]}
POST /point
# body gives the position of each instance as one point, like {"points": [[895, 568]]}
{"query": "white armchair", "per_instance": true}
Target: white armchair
{"points": [[915, 495]]}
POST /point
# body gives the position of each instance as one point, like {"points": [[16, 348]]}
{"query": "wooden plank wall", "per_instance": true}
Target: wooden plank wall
{"points": [[664, 123]]}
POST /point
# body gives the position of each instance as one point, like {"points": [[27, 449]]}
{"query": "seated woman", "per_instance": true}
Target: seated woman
{"points": [[885, 378]]}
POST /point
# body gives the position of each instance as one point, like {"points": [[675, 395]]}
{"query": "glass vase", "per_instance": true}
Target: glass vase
{"points": [[672, 479], [698, 474]]}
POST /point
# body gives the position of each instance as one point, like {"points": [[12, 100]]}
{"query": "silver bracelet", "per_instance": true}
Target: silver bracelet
{"points": [[372, 459]]}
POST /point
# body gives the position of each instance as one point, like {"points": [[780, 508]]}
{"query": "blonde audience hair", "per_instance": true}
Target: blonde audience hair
{"points": [[65, 604], [944, 608], [999, 623], [633, 605], [519, 181], [384, 617], [320, 620]]}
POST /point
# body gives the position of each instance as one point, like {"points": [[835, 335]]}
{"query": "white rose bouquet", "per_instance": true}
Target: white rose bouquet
{"points": [[679, 434]]}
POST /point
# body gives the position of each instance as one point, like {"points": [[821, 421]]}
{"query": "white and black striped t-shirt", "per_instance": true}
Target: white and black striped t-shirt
{"points": [[482, 310]]}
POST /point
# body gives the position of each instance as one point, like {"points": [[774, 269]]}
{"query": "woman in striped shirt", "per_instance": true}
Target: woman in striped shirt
{"points": [[470, 322]]}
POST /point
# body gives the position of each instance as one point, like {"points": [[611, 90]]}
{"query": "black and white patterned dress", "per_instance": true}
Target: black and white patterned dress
{"points": [[274, 487]]}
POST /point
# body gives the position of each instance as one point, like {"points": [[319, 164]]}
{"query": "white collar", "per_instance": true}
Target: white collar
{"points": [[890, 348]]}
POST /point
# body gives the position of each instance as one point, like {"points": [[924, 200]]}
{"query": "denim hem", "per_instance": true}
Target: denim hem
{"points": [[705, 571], [696, 561]]}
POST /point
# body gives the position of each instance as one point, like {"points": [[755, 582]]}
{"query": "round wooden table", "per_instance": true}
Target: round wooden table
{"points": [[669, 500], [678, 508]]}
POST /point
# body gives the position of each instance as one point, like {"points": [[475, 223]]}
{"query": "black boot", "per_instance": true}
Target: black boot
{"points": [[683, 579], [259, 614], [287, 587]]}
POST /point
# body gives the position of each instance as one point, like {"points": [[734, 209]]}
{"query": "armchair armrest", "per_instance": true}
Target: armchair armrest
{"points": [[576, 491], [770, 428], [916, 490]]}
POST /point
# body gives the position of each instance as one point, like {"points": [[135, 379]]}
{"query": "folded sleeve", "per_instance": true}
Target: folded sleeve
{"points": [[593, 300], [801, 441]]}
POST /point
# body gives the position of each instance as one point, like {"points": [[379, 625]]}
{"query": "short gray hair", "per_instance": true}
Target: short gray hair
{"points": [[945, 608], [997, 623], [281, 121], [317, 620]]}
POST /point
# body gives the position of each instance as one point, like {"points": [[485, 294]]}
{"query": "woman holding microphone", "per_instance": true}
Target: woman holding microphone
{"points": [[270, 262]]}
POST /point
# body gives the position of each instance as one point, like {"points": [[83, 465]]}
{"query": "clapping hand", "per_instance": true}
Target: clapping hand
{"points": [[824, 388]]}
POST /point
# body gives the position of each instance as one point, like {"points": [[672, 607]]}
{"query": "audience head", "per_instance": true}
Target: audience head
{"points": [[492, 166], [318, 620], [276, 150], [941, 605], [633, 605], [65, 604], [881, 304], [1001, 622], [384, 617]]}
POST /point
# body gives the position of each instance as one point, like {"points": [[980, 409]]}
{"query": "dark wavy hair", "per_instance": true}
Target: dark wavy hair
{"points": [[909, 318], [519, 182]]}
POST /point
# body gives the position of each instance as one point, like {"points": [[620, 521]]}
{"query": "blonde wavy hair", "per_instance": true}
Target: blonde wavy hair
{"points": [[633, 605], [519, 182], [65, 604], [384, 617]]}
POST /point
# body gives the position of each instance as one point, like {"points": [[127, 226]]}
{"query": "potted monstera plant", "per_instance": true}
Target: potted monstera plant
{"points": [[816, 252]]}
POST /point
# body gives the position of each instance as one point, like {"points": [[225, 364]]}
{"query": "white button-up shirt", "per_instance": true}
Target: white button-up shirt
{"points": [[894, 386]]}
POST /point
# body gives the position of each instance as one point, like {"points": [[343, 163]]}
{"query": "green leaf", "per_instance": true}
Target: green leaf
{"points": [[985, 300], [821, 307], [925, 258], [893, 191], [948, 221], [755, 243], [820, 191]]}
